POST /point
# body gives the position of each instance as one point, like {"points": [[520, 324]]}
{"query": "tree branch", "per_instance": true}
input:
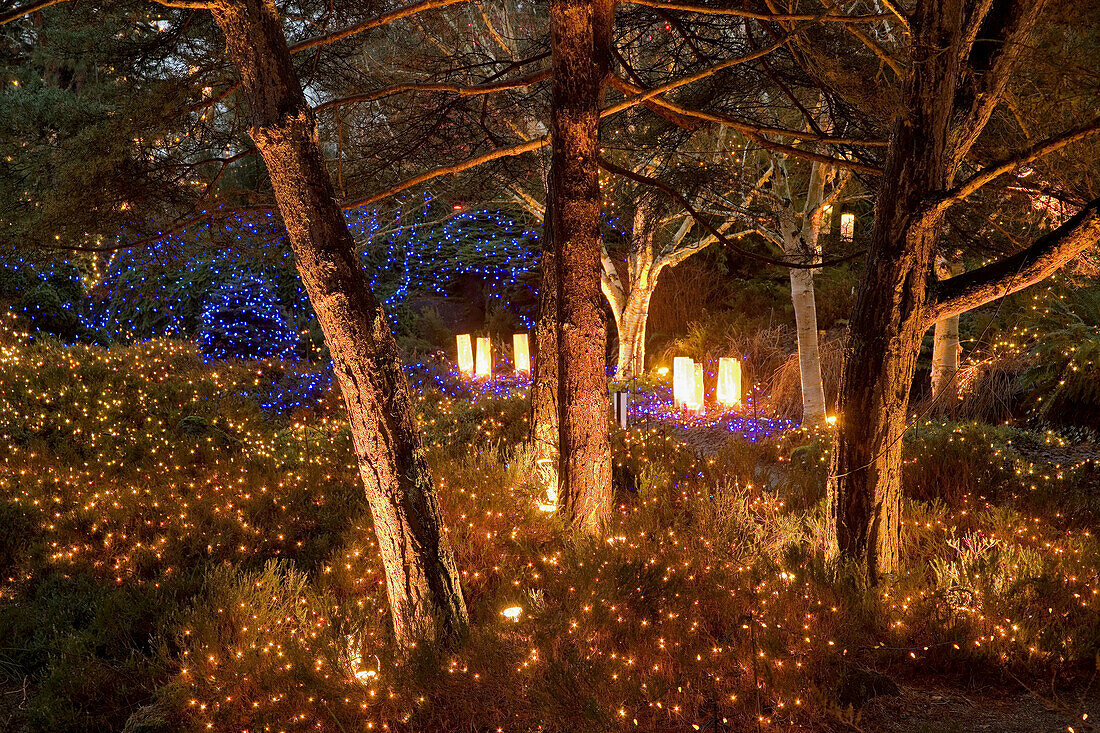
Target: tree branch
{"points": [[185, 4], [462, 91], [17, 13], [1042, 259], [740, 125], [1029, 155], [655, 106], [448, 169], [684, 80], [980, 92], [893, 8], [878, 50], [372, 23], [714, 231], [771, 17]]}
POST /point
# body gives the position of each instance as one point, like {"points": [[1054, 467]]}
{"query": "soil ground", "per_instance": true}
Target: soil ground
{"points": [[943, 710]]}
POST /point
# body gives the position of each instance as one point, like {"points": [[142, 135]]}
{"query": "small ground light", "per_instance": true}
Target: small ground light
{"points": [[512, 612]]}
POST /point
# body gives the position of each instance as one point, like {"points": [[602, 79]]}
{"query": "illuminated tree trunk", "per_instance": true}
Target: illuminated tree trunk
{"points": [[945, 346], [544, 384], [632, 329], [800, 245], [809, 354], [580, 33], [630, 304], [884, 333], [421, 577], [949, 93]]}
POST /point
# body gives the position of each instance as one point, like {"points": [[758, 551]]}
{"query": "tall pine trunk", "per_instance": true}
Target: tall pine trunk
{"points": [[962, 56], [544, 383], [580, 33], [421, 578], [887, 324]]}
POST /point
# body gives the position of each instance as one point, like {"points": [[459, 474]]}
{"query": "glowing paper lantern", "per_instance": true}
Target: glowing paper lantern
{"points": [[465, 354], [683, 381], [484, 368], [698, 387], [847, 227], [729, 381], [522, 351]]}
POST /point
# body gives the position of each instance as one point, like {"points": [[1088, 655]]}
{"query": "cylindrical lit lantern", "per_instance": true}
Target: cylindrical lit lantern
{"points": [[465, 354], [522, 351], [847, 226], [729, 381], [484, 368], [683, 381], [698, 405], [827, 219]]}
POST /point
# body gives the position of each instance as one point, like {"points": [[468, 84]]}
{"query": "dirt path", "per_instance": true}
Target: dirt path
{"points": [[932, 710]]}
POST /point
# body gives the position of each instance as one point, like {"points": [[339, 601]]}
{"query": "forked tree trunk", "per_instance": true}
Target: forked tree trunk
{"points": [[952, 87], [630, 304], [580, 32], [945, 346], [864, 493], [421, 578], [544, 384]]}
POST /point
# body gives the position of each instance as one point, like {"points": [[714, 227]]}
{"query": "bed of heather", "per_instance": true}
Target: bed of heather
{"points": [[176, 557]]}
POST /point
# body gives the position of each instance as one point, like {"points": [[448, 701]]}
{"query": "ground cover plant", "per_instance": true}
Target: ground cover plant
{"points": [[176, 558]]}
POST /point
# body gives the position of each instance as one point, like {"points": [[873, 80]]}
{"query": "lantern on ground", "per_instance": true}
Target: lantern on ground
{"points": [[698, 405], [729, 381], [465, 354], [683, 381], [522, 351], [847, 226], [484, 368]]}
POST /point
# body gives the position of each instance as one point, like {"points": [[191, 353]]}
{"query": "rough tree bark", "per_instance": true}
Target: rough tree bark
{"points": [[945, 345], [421, 578], [544, 383], [580, 37], [951, 88]]}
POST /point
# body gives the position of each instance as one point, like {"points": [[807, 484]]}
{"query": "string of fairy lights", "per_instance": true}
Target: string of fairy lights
{"points": [[701, 596], [158, 290]]}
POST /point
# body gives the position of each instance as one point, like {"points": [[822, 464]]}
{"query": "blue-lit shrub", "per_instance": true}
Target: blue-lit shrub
{"points": [[49, 295], [244, 320]]}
